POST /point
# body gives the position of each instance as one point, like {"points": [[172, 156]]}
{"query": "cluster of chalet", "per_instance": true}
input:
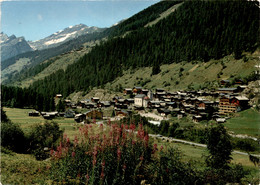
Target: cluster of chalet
{"points": [[194, 103], [181, 103], [92, 114]]}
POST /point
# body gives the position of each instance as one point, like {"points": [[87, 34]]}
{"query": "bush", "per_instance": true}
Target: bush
{"points": [[12, 137], [43, 136], [169, 169], [234, 174], [245, 144]]}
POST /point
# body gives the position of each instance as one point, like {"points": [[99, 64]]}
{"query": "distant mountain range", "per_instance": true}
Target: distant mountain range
{"points": [[63, 35], [12, 46]]}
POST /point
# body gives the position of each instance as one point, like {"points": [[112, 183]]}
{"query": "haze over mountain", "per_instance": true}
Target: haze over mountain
{"points": [[12, 46], [62, 36]]}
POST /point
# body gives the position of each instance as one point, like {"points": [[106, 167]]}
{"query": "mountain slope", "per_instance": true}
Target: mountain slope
{"points": [[191, 33], [10, 77], [39, 56], [12, 46], [29, 75], [63, 35], [193, 76]]}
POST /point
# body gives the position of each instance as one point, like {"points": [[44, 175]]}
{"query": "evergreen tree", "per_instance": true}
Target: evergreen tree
{"points": [[4, 117], [156, 68], [219, 147], [60, 106]]}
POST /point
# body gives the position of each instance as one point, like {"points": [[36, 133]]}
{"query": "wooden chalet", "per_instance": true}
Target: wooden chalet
{"points": [[239, 81], [95, 99], [129, 101], [128, 91], [34, 113], [159, 90], [220, 120], [49, 115], [120, 106], [154, 104], [90, 105], [122, 113], [229, 105], [94, 114], [58, 96], [80, 118], [164, 112], [116, 99], [224, 82], [171, 104], [227, 90], [197, 118], [159, 95], [181, 114], [137, 90], [104, 104], [205, 104], [145, 91], [61, 114]]}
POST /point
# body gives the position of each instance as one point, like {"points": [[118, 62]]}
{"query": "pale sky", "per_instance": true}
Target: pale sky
{"points": [[38, 19]]}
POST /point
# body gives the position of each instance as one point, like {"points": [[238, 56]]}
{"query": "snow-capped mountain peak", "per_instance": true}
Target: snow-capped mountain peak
{"points": [[62, 36]]}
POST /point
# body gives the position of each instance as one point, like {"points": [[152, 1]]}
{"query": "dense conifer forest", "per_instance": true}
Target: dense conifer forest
{"points": [[197, 30]]}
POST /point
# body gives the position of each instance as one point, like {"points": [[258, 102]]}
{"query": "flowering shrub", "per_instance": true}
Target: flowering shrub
{"points": [[116, 155]]}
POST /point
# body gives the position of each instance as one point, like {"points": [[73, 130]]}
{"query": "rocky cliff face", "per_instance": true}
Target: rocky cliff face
{"points": [[12, 46]]}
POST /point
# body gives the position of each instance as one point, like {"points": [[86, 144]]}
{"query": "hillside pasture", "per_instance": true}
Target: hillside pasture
{"points": [[245, 122]]}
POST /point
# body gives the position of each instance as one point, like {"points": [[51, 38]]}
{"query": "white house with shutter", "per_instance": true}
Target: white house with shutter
{"points": [[139, 100]]}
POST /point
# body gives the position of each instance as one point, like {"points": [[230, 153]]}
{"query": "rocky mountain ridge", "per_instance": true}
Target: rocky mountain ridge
{"points": [[62, 36], [12, 46]]}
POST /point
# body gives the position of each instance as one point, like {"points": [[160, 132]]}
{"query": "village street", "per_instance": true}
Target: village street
{"points": [[152, 115]]}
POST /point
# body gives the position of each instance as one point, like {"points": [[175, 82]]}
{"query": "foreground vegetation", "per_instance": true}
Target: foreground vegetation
{"points": [[98, 152]]}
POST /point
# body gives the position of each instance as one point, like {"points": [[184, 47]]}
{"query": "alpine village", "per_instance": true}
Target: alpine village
{"points": [[168, 96]]}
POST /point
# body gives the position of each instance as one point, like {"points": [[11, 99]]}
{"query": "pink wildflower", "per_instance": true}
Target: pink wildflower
{"points": [[132, 127], [118, 154], [155, 148], [76, 141], [124, 167], [161, 148], [102, 175], [146, 140], [94, 162], [142, 158], [52, 152], [73, 154]]}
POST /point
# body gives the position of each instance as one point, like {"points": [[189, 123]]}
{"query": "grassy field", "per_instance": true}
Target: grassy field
{"points": [[20, 116], [197, 155], [23, 169], [245, 122]]}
